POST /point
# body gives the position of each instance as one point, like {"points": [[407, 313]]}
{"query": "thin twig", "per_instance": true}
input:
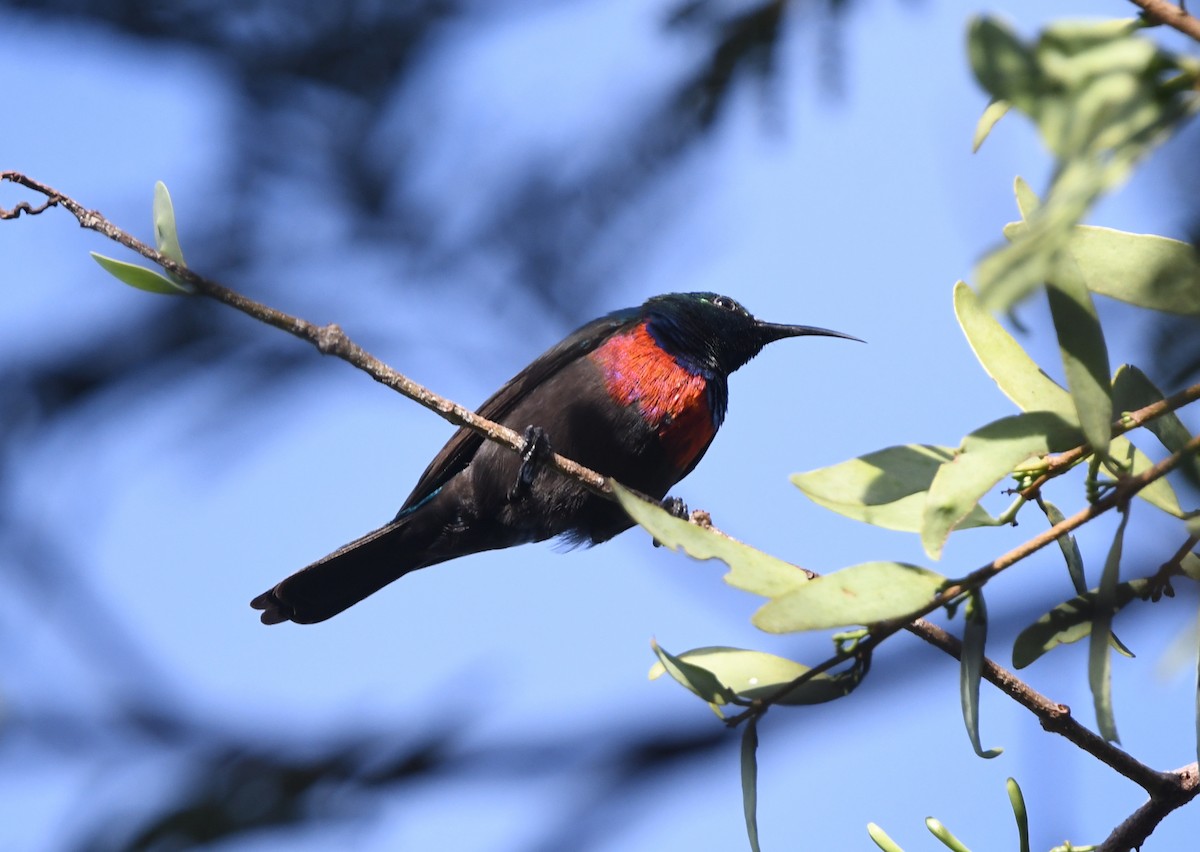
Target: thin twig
{"points": [[328, 339], [1060, 463], [1054, 717], [1173, 16]]}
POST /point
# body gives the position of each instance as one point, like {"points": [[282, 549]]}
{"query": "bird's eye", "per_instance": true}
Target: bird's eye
{"points": [[726, 304]]}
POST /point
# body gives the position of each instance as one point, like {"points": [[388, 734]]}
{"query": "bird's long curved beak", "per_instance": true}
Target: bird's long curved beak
{"points": [[769, 332]]}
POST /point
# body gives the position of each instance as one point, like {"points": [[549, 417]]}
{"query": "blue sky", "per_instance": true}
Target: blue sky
{"points": [[857, 213]]}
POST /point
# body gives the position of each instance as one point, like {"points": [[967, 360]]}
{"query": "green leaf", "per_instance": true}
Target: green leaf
{"points": [[994, 111], [1133, 390], [881, 839], [756, 674], [944, 835], [988, 455], [1022, 381], [971, 670], [165, 237], [1070, 549], [1142, 269], [1084, 352], [1071, 621], [749, 569], [696, 678], [1158, 493], [1102, 97], [1099, 661], [861, 594], [1014, 372], [885, 488], [1017, 800], [1003, 66], [750, 780], [1027, 200], [138, 276]]}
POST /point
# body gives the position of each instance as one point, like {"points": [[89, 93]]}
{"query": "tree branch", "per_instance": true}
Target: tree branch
{"points": [[328, 339], [1132, 833], [1059, 464], [1055, 718], [1177, 17]]}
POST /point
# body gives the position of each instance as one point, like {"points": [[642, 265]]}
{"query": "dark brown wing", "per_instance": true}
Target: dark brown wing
{"points": [[461, 448]]}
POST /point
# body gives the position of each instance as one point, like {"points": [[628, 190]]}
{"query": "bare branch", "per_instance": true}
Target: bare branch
{"points": [[1132, 833], [1177, 17], [328, 339], [1054, 717]]}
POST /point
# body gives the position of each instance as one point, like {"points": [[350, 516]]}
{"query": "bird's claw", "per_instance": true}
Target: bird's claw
{"points": [[536, 450], [676, 508]]}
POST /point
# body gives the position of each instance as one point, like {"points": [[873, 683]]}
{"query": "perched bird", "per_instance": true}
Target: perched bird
{"points": [[636, 395]]}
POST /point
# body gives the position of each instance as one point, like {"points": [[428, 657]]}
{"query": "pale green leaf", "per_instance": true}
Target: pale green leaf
{"points": [[944, 835], [1133, 390], [1142, 269], [696, 678], [885, 488], [994, 111], [1071, 621], [165, 237], [1083, 350], [1017, 799], [1023, 382], [861, 594], [749, 569], [971, 670], [750, 780], [1159, 492], [881, 839], [138, 276], [988, 455], [756, 674], [1014, 372], [1099, 660], [1101, 99], [1027, 200]]}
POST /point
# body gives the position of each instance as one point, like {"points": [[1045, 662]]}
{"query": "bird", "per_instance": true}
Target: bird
{"points": [[637, 395]]}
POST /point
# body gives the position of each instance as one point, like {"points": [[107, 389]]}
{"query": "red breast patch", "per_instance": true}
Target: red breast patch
{"points": [[672, 399]]}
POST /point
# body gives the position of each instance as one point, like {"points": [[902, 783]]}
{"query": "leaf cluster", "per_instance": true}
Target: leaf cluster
{"points": [[1102, 96]]}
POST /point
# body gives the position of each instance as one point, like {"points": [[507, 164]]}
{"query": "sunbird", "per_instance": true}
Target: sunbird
{"points": [[637, 395]]}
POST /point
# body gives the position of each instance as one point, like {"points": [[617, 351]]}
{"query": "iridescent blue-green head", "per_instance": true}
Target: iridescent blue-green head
{"points": [[713, 334]]}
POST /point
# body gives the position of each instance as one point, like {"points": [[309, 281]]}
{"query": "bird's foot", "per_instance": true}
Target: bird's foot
{"points": [[676, 508], [537, 449]]}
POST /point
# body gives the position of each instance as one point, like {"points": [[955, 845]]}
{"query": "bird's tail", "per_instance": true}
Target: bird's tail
{"points": [[344, 577]]}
